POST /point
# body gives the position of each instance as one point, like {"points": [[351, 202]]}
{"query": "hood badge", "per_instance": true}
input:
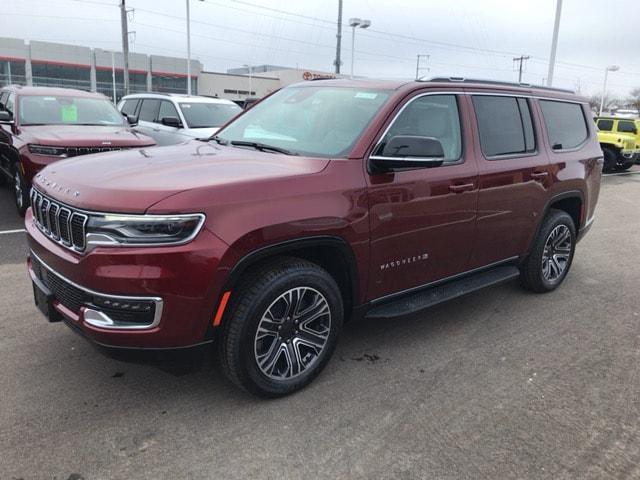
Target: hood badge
{"points": [[106, 143], [48, 183]]}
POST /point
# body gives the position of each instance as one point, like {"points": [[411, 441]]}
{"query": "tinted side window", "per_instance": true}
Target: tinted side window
{"points": [[433, 116], [605, 125], [504, 124], [566, 125], [167, 109], [3, 97], [626, 126], [149, 110], [10, 102], [130, 106]]}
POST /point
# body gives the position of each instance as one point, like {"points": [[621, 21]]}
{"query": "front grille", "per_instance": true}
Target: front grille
{"points": [[62, 224], [122, 310], [76, 151]]}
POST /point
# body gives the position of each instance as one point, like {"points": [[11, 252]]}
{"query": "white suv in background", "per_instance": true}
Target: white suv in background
{"points": [[172, 118]]}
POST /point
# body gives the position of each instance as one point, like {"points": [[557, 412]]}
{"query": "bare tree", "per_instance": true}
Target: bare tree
{"points": [[609, 102], [634, 98]]}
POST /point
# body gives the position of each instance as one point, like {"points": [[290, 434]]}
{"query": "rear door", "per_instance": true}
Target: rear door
{"points": [[514, 175], [147, 115], [423, 220]]}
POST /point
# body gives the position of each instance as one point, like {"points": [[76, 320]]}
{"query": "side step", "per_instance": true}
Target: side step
{"points": [[420, 300]]}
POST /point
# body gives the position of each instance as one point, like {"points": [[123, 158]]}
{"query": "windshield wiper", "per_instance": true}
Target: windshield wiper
{"points": [[262, 147]]}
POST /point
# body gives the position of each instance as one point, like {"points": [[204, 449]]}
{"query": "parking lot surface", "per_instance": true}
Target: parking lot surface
{"points": [[499, 384]]}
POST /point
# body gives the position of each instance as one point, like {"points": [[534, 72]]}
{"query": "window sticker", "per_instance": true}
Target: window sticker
{"points": [[367, 95], [69, 113]]}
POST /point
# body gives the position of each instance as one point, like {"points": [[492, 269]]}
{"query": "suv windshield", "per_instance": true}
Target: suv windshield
{"points": [[202, 115], [314, 121], [66, 110]]}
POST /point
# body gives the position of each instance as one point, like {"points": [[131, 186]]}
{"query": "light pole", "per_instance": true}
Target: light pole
{"points": [[113, 76], [610, 68], [189, 49], [250, 67], [554, 43], [353, 23]]}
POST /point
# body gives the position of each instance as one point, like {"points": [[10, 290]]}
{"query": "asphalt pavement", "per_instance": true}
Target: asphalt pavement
{"points": [[499, 384]]}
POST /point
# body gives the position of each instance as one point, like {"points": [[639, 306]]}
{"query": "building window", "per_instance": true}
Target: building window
{"points": [[12, 72], [54, 75]]}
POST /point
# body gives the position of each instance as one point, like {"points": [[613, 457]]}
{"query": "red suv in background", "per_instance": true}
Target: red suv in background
{"points": [[326, 201], [40, 125]]}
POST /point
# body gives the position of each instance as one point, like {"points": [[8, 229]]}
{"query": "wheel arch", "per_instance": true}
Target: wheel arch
{"points": [[332, 253], [571, 202]]}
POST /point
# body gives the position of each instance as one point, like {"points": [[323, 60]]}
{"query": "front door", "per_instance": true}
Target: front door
{"points": [[423, 220]]}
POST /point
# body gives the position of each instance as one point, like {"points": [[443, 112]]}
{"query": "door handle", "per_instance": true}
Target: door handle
{"points": [[464, 187], [539, 175]]}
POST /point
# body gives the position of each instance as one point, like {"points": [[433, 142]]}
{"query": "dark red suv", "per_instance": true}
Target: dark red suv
{"points": [[326, 201], [41, 125]]}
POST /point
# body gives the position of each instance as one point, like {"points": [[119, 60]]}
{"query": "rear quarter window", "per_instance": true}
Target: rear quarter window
{"points": [[627, 126], [565, 124]]}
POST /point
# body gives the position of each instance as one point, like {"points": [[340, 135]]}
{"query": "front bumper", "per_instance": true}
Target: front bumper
{"points": [[175, 287]]}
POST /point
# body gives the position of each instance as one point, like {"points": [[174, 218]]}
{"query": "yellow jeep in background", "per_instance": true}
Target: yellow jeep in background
{"points": [[620, 142]]}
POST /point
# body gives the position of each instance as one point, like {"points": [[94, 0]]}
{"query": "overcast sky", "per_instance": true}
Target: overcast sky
{"points": [[473, 38]]}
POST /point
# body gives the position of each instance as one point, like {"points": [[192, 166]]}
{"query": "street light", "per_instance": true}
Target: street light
{"points": [[353, 23], [189, 49], [610, 68], [250, 71]]}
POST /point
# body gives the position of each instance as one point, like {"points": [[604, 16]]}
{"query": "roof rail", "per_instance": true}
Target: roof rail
{"points": [[493, 82]]}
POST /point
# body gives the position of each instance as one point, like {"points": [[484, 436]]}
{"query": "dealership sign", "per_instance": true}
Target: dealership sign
{"points": [[316, 76]]}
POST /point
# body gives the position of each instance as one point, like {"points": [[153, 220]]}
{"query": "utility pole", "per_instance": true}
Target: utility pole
{"points": [[520, 60], [339, 38], [125, 45], [554, 43], [418, 68]]}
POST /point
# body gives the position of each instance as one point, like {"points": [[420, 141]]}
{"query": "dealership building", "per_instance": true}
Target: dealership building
{"points": [[62, 65]]}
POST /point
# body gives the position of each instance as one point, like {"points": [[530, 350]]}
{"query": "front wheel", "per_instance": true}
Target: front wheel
{"points": [[20, 191], [282, 328], [551, 255], [610, 160]]}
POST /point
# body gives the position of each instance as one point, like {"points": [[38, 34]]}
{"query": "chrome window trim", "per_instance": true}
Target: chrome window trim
{"points": [[157, 301]]}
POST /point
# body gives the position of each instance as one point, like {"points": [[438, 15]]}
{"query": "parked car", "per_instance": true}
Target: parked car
{"points": [[172, 118], [626, 113], [620, 142], [326, 201], [41, 125]]}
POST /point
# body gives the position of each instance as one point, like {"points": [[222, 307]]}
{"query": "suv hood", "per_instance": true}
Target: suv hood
{"points": [[131, 181], [84, 136]]}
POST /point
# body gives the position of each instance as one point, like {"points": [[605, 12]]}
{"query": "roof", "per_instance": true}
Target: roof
{"points": [[449, 83], [180, 97], [59, 92]]}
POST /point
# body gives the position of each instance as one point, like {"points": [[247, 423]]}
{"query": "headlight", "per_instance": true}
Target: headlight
{"points": [[48, 151], [114, 230]]}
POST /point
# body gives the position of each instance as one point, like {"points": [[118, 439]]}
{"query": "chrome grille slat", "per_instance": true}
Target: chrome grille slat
{"points": [[62, 224]]}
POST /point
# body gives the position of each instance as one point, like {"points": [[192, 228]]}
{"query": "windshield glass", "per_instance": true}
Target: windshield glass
{"points": [[202, 115], [63, 110], [314, 121]]}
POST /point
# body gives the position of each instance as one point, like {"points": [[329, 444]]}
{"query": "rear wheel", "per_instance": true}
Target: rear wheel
{"points": [[551, 255], [282, 328], [20, 191]]}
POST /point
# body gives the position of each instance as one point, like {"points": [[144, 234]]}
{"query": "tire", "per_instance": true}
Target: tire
{"points": [[20, 191], [610, 160], [540, 273], [264, 297], [624, 166]]}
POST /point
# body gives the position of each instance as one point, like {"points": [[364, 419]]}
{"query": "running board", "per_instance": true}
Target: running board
{"points": [[430, 296]]}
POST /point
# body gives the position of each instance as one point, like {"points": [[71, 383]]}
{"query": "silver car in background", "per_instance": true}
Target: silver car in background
{"points": [[172, 118]]}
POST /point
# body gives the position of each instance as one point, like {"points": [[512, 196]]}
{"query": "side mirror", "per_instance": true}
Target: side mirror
{"points": [[171, 122], [132, 120], [408, 151], [6, 117]]}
